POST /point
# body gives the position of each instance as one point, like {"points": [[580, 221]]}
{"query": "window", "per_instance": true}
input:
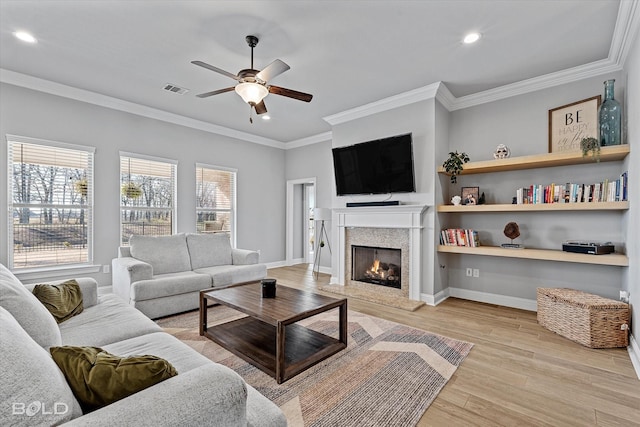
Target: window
{"points": [[215, 200], [50, 203], [147, 196]]}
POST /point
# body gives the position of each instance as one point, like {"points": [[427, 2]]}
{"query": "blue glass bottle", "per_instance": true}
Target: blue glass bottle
{"points": [[610, 117]]}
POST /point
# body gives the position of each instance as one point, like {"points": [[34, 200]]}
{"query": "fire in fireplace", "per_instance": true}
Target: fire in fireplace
{"points": [[379, 266]]}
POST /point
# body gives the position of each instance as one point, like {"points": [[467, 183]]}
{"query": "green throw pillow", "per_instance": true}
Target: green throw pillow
{"points": [[98, 378], [63, 301]]}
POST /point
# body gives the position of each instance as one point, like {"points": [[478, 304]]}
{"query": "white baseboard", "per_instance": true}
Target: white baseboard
{"points": [[436, 299], [634, 354], [277, 264], [507, 301]]}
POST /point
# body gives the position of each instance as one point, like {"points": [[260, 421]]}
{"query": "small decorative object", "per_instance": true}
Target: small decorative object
{"points": [[570, 123], [131, 190], [502, 152], [593, 145], [456, 200], [470, 195], [453, 164], [482, 200], [610, 117], [512, 231], [268, 288]]}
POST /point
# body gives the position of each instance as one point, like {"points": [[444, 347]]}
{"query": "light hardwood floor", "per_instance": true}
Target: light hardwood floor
{"points": [[518, 373]]}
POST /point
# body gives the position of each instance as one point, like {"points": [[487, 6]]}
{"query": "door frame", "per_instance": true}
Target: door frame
{"points": [[289, 232]]}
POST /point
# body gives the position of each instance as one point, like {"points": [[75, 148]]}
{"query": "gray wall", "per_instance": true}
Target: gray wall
{"points": [[521, 123], [315, 161], [632, 277], [261, 177]]}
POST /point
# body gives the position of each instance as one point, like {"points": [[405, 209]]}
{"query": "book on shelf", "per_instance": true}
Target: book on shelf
{"points": [[605, 191], [459, 237]]}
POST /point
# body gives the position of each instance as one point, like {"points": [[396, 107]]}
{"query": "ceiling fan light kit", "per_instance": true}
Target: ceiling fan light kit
{"points": [[251, 93], [252, 84]]}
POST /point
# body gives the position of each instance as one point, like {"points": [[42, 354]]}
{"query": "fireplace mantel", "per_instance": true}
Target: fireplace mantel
{"points": [[402, 216]]}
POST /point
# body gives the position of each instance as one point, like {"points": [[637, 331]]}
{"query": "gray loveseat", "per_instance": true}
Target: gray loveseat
{"points": [[163, 275], [34, 391]]}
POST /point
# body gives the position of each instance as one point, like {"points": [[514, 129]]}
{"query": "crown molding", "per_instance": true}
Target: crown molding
{"points": [[626, 29], [35, 83], [385, 104], [310, 140]]}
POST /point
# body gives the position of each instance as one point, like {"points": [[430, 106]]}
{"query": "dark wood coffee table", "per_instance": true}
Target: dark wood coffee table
{"points": [[269, 337]]}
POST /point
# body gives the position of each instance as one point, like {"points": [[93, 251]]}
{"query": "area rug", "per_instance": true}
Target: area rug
{"points": [[388, 375]]}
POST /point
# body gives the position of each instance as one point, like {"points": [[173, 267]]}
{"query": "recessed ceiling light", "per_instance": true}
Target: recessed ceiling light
{"points": [[266, 117], [25, 37], [471, 38]]}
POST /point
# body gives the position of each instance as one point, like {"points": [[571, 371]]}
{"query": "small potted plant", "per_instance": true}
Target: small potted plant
{"points": [[454, 164], [590, 144], [131, 190]]}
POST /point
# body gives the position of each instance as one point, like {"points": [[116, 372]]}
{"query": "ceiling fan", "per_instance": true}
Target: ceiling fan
{"points": [[252, 84]]}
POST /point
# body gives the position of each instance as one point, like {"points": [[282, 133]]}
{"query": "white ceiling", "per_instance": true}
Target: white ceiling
{"points": [[346, 53]]}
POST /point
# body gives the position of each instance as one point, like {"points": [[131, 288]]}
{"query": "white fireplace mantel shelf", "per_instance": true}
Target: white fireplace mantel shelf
{"points": [[402, 216]]}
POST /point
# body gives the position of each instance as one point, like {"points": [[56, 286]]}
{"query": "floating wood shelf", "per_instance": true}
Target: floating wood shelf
{"points": [[607, 154], [618, 260], [536, 207]]}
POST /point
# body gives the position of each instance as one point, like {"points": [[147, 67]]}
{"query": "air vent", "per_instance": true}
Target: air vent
{"points": [[175, 89]]}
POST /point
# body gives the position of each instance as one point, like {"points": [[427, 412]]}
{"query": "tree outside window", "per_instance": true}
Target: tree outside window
{"points": [[215, 200]]}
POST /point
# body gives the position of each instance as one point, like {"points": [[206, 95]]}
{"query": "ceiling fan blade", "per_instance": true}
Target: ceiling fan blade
{"points": [[276, 68], [216, 69], [216, 92], [260, 107], [301, 96]]}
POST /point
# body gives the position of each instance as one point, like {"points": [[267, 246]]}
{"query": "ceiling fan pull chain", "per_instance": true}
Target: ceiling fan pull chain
{"points": [[250, 114]]}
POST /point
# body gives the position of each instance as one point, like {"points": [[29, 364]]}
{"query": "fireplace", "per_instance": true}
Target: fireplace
{"points": [[375, 265]]}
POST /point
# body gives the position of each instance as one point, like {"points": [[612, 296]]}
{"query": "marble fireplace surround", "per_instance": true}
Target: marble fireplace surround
{"points": [[384, 226]]}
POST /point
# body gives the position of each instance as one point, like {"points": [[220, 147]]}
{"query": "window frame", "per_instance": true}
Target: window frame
{"points": [[174, 190], [36, 272], [233, 211]]}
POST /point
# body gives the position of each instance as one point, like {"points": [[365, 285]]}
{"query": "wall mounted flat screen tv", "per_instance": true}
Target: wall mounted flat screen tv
{"points": [[375, 167]]}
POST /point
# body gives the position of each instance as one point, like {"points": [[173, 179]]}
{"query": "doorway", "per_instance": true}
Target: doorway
{"points": [[300, 227]]}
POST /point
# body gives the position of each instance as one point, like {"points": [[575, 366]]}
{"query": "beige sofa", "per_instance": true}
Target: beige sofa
{"points": [[163, 275], [33, 391]]}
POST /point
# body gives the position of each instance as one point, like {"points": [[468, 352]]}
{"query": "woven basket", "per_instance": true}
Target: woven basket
{"points": [[587, 319]]}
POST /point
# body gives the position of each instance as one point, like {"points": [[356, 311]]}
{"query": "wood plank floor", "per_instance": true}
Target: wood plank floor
{"points": [[518, 373]]}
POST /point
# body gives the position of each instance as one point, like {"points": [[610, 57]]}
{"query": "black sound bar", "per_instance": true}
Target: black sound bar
{"points": [[361, 204]]}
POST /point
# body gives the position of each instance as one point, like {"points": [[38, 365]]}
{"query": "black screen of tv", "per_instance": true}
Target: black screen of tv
{"points": [[375, 167]]}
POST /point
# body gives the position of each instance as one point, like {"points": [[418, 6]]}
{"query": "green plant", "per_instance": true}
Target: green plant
{"points": [[454, 164], [131, 190], [82, 187], [590, 144]]}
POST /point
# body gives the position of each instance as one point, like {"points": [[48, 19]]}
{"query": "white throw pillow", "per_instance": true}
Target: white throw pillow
{"points": [[34, 318], [33, 390]]}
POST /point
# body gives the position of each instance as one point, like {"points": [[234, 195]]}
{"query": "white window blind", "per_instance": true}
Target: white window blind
{"points": [[147, 197], [215, 200], [50, 203]]}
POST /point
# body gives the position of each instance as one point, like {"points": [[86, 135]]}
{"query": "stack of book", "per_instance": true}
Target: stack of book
{"points": [[605, 191], [459, 237]]}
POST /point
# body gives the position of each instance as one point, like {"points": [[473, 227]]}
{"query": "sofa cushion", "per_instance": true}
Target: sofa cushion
{"points": [[63, 300], [33, 391], [180, 355], [108, 321], [166, 254], [224, 275], [169, 284], [27, 310], [209, 250], [99, 378]]}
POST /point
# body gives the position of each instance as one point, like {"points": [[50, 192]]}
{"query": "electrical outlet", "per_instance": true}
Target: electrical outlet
{"points": [[469, 272], [106, 269], [476, 272]]}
